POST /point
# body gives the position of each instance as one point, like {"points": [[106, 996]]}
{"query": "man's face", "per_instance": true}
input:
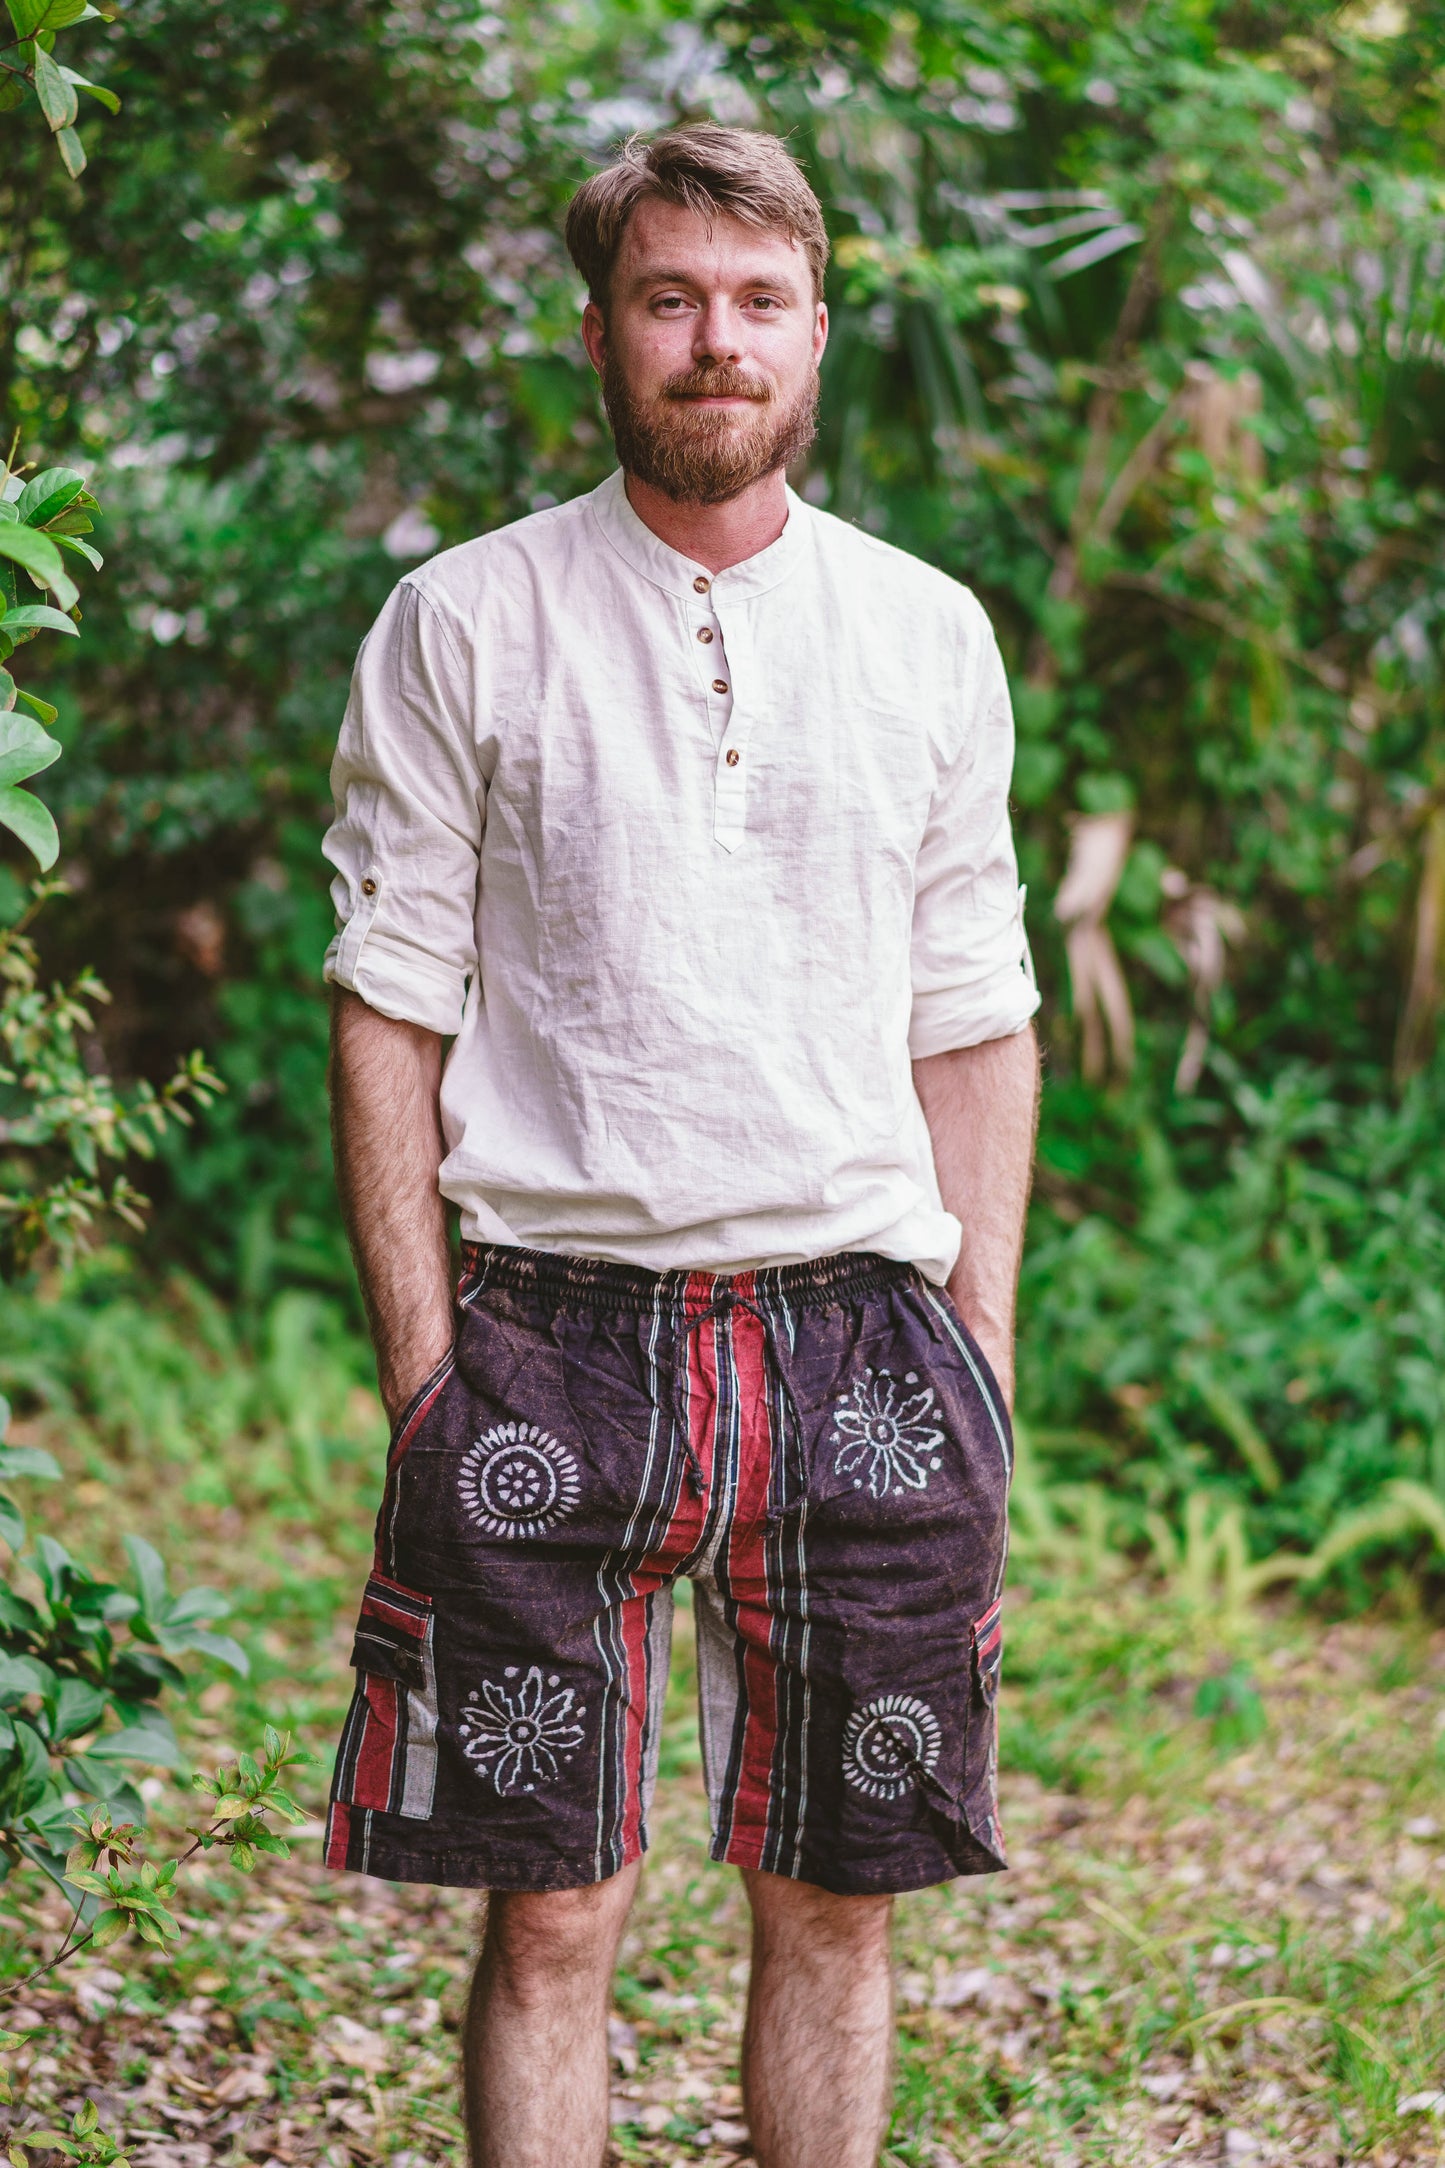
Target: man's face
{"points": [[708, 352]]}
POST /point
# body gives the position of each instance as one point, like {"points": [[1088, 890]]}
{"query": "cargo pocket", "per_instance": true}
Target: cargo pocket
{"points": [[388, 1755], [980, 1782]]}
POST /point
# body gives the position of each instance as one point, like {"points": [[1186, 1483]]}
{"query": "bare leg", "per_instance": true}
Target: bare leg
{"points": [[535, 2048], [819, 2039]]}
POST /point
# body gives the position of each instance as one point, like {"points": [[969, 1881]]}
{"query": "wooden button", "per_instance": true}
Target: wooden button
{"points": [[733, 756], [700, 585], [704, 633], [368, 888], [719, 685]]}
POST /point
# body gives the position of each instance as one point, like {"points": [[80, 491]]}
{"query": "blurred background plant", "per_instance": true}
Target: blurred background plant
{"points": [[1137, 329]]}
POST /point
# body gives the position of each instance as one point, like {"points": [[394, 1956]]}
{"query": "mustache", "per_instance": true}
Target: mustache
{"points": [[720, 381]]}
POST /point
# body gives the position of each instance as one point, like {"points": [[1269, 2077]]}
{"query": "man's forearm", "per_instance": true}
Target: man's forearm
{"points": [[386, 1130], [981, 1106]]}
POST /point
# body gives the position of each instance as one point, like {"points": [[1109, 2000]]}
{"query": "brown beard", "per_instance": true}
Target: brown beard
{"points": [[704, 455]]}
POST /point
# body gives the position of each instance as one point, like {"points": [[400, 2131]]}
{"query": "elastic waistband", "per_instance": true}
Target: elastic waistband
{"points": [[595, 1282]]}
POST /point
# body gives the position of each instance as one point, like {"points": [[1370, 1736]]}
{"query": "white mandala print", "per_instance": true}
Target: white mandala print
{"points": [[520, 1738], [517, 1480], [885, 1741], [887, 1434]]}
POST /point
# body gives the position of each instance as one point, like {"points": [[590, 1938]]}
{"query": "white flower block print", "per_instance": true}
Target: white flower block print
{"points": [[887, 1434], [887, 1742], [521, 1737], [517, 1480]]}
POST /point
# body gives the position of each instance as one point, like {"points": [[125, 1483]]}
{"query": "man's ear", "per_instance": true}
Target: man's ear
{"points": [[594, 335]]}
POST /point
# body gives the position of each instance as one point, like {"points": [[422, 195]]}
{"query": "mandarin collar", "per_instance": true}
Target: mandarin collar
{"points": [[647, 553]]}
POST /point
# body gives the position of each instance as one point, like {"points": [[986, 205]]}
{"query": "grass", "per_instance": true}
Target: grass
{"points": [[1222, 1937]]}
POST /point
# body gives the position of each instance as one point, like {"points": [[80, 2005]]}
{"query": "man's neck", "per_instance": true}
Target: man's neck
{"points": [[715, 535]]}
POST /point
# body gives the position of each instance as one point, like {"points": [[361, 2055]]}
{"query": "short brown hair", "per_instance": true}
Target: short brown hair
{"points": [[720, 172]]}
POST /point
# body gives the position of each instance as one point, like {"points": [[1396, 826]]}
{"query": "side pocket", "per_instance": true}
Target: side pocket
{"points": [[413, 1414], [980, 1783], [388, 1754]]}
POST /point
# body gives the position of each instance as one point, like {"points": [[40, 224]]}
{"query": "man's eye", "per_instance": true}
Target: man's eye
{"points": [[766, 301]]}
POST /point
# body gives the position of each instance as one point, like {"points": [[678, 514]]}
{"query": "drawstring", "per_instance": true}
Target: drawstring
{"points": [[724, 1304]]}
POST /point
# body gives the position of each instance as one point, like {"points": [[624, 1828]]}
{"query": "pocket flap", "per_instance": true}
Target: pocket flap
{"points": [[988, 1648], [393, 1633]]}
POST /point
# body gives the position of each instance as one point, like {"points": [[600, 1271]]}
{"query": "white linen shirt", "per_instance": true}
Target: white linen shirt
{"points": [[691, 866]]}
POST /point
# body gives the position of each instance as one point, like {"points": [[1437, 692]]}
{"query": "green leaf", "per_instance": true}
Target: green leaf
{"points": [[72, 152], [73, 543], [30, 16], [41, 558], [32, 1460], [149, 1742], [38, 707], [77, 1707], [58, 101], [231, 1809], [46, 495], [12, 92], [219, 1647], [149, 1569], [12, 1523], [23, 814], [196, 1606], [36, 616], [22, 1675], [107, 98], [108, 1927], [25, 749], [86, 1878]]}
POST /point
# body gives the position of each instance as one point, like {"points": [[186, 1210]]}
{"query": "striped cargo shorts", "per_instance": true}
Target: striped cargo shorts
{"points": [[820, 1449]]}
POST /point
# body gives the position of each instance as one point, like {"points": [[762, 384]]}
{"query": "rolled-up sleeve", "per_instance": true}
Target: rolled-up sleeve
{"points": [[410, 803], [972, 974]]}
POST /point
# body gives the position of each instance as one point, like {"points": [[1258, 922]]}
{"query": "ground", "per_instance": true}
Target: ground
{"points": [[1221, 1938]]}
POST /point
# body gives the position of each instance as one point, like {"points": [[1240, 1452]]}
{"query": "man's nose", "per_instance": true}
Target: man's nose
{"points": [[716, 333]]}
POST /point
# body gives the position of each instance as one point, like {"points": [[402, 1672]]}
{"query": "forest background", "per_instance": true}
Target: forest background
{"points": [[1137, 324], [1138, 320]]}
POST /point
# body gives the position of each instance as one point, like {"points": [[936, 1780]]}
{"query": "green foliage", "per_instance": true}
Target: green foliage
{"points": [[60, 1118], [1281, 1331], [82, 1665], [27, 66], [84, 2142]]}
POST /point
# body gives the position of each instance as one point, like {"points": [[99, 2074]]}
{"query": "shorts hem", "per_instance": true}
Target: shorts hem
{"points": [[868, 1878], [467, 1870]]}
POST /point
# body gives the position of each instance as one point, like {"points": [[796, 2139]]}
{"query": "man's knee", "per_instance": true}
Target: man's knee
{"points": [[539, 1942], [804, 1917]]}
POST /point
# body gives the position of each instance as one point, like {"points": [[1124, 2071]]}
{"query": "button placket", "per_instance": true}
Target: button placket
{"points": [[730, 774]]}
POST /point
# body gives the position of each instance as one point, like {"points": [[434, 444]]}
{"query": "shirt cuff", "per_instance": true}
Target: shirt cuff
{"points": [[399, 981], [949, 1018]]}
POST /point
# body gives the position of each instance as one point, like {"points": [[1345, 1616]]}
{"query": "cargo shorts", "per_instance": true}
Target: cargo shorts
{"points": [[820, 1449]]}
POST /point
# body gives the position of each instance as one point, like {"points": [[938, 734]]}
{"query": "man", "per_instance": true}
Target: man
{"points": [[683, 807]]}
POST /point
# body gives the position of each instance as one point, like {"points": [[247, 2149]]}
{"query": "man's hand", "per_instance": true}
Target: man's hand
{"points": [[386, 1131], [981, 1105]]}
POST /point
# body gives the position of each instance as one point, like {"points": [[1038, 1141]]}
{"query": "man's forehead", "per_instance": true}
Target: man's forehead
{"points": [[667, 237]]}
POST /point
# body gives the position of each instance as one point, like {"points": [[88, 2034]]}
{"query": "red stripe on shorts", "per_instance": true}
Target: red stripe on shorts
{"points": [[682, 1535], [376, 1753], [747, 1584], [338, 1834]]}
